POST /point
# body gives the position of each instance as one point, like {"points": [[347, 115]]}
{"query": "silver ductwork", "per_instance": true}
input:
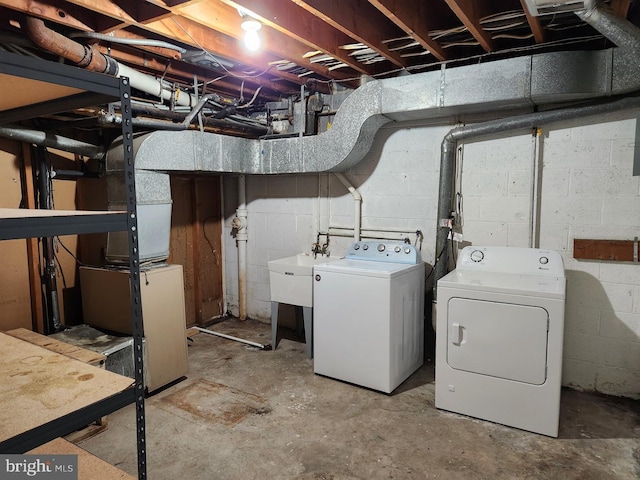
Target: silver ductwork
{"points": [[518, 83], [550, 7]]}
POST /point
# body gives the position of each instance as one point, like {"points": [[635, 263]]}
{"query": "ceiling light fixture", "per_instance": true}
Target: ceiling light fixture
{"points": [[251, 38]]}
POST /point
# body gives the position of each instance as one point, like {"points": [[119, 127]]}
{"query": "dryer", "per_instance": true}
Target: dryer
{"points": [[500, 323], [368, 315]]}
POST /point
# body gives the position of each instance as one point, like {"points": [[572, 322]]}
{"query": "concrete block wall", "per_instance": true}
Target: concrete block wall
{"points": [[587, 191]]}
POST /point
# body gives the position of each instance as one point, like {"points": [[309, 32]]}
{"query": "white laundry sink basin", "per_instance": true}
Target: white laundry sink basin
{"points": [[291, 278]]}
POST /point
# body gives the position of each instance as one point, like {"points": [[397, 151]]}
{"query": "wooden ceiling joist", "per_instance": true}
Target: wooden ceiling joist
{"points": [[411, 17], [184, 72], [359, 20], [66, 14], [304, 27], [220, 17], [534, 24], [468, 12]]}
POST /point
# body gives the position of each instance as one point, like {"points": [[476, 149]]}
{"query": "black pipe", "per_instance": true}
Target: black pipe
{"points": [[58, 174], [154, 124], [52, 322]]}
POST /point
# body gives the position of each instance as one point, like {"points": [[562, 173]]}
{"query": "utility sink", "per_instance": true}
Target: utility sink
{"points": [[291, 278]]}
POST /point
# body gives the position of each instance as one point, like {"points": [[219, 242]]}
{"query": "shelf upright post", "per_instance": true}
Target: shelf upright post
{"points": [[134, 273]]}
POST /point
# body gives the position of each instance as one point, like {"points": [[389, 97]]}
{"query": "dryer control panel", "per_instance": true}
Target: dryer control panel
{"points": [[524, 261], [384, 251]]}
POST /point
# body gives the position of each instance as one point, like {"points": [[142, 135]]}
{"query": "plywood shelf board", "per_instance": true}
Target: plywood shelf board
{"points": [[90, 467], [81, 354], [39, 386]]}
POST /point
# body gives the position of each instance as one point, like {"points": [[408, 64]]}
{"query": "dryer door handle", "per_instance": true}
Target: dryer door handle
{"points": [[456, 333]]}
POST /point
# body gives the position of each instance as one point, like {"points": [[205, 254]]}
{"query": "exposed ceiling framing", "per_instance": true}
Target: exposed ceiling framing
{"points": [[316, 43]]}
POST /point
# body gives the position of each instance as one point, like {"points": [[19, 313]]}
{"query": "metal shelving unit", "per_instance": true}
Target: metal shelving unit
{"points": [[75, 87]]}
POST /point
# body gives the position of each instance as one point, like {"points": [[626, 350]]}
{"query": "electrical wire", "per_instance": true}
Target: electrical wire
{"points": [[438, 258], [143, 42], [59, 242], [59, 268], [255, 95], [213, 57]]}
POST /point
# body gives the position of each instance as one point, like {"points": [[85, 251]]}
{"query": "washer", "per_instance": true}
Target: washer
{"points": [[500, 321], [369, 315]]}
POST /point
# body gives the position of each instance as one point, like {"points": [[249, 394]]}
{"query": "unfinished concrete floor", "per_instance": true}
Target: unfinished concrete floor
{"points": [[244, 413]]}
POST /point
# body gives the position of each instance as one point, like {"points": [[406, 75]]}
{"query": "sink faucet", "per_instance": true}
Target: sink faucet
{"points": [[318, 248]]}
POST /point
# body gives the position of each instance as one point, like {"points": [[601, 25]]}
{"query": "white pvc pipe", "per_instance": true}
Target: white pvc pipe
{"points": [[230, 337], [241, 239], [357, 198], [153, 86]]}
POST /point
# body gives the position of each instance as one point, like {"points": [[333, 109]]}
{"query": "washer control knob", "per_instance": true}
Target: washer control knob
{"points": [[407, 250], [356, 246], [397, 249], [477, 255], [381, 247], [365, 246], [544, 260]]}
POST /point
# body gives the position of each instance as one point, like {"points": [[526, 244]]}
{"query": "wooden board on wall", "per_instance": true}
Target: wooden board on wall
{"points": [[196, 244], [181, 240], [210, 230], [15, 297]]}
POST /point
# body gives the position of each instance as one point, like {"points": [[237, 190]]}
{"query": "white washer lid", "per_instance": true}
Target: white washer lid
{"points": [[367, 268], [532, 285]]}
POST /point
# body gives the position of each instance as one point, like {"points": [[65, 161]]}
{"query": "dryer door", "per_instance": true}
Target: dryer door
{"points": [[498, 339]]}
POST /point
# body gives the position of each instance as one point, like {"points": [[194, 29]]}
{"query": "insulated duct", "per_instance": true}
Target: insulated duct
{"points": [[517, 83]]}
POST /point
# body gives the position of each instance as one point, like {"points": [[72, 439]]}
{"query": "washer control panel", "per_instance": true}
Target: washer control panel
{"points": [[384, 251], [525, 261]]}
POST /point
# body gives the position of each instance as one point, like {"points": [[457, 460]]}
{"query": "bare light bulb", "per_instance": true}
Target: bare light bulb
{"points": [[251, 38]]}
